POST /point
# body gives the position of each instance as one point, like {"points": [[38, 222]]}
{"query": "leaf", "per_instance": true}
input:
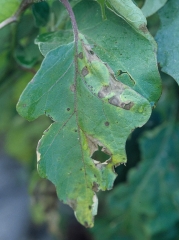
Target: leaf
{"points": [[151, 7], [88, 106], [130, 55], [26, 52], [149, 200], [41, 12], [49, 41], [8, 8], [26, 56], [113, 40], [127, 10], [168, 39]]}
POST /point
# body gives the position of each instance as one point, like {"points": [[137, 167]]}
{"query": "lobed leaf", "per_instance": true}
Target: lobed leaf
{"points": [[88, 106]]}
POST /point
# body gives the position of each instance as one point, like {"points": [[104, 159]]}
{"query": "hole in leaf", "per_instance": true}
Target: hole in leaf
{"points": [[100, 155]]}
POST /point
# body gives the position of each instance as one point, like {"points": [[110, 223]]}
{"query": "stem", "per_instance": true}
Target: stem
{"points": [[8, 21], [73, 20], [23, 6]]}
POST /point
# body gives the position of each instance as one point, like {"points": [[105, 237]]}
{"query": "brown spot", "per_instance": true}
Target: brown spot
{"points": [[143, 28], [114, 101], [68, 109], [106, 124], [104, 91], [72, 87], [80, 55], [84, 71], [95, 187], [127, 106], [86, 224]]}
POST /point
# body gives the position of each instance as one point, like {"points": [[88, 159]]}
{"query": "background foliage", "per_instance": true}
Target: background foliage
{"points": [[145, 201]]}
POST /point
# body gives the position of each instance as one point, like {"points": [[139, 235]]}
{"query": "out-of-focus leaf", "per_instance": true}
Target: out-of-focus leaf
{"points": [[152, 6], [20, 136], [88, 106], [27, 56], [26, 53], [49, 41], [8, 8], [5, 48], [168, 39], [149, 200], [41, 12]]}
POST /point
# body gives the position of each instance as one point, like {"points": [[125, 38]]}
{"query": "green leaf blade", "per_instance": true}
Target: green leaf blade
{"points": [[88, 106], [124, 49], [46, 86]]}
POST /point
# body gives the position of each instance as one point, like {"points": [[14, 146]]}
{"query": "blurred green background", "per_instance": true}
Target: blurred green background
{"points": [[144, 204]]}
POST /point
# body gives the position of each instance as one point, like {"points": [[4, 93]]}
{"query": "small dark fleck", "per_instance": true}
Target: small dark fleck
{"points": [[80, 55], [75, 130], [106, 123], [68, 109], [143, 28], [91, 52], [89, 207], [86, 224]]}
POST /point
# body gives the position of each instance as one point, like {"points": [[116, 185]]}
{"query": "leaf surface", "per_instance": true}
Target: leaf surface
{"points": [[48, 41], [152, 6], [88, 106], [131, 14], [130, 55], [168, 39]]}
